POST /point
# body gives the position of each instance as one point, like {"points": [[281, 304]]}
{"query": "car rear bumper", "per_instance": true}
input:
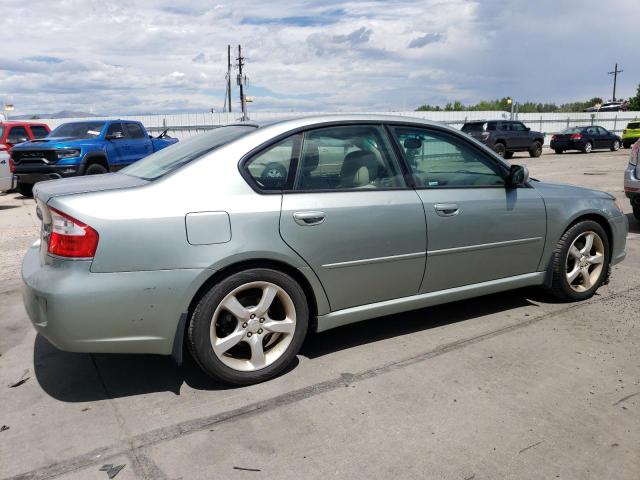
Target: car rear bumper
{"points": [[124, 312], [567, 145]]}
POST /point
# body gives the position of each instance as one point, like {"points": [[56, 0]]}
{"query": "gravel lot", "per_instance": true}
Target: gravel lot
{"points": [[512, 385]]}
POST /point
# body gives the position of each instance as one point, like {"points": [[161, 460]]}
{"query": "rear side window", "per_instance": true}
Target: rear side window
{"points": [[38, 131], [273, 169], [134, 130], [347, 157], [474, 127], [634, 125]]}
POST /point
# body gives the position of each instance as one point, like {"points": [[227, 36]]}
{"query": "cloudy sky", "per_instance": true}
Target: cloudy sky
{"points": [[165, 56]]}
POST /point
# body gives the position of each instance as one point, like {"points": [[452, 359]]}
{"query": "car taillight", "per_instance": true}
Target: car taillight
{"points": [[70, 237], [554, 138], [12, 166], [575, 136]]}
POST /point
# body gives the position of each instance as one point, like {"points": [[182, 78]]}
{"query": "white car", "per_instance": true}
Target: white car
{"points": [[6, 177]]}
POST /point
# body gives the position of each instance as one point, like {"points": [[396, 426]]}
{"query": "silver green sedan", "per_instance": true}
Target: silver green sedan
{"points": [[239, 242]]}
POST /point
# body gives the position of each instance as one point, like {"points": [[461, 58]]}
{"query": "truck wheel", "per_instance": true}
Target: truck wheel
{"points": [[500, 149], [536, 149], [508, 155], [95, 169], [25, 189]]}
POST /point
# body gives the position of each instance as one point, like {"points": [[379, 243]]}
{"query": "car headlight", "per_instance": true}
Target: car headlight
{"points": [[68, 153]]}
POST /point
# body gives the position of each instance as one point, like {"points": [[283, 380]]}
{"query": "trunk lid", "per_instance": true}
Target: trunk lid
{"points": [[45, 191]]}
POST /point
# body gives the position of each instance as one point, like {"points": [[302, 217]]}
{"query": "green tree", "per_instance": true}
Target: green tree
{"points": [[634, 102]]}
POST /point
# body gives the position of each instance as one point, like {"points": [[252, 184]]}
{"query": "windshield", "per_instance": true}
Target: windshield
{"points": [[78, 130], [173, 157], [572, 130]]}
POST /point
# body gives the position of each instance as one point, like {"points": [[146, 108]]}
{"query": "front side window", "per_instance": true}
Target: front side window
{"points": [[272, 169], [347, 157], [602, 131], [440, 160], [115, 130], [505, 127], [17, 135]]}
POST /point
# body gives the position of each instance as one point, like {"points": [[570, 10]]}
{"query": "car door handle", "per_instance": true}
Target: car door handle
{"points": [[447, 209], [309, 218]]}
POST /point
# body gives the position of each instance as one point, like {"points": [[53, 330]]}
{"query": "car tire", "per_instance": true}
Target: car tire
{"points": [[508, 155], [558, 151], [626, 144], [579, 266], [588, 147], [25, 189], [95, 169], [615, 146], [636, 212], [500, 149], [262, 341], [536, 150]]}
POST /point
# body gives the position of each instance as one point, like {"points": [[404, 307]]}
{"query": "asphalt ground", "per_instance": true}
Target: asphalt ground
{"points": [[513, 385]]}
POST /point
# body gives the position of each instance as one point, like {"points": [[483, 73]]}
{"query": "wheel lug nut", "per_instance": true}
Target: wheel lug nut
{"points": [[262, 320], [253, 316], [244, 325], [249, 334], [260, 330]]}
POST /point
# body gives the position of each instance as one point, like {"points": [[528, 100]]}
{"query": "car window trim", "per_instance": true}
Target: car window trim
{"points": [[501, 166]]}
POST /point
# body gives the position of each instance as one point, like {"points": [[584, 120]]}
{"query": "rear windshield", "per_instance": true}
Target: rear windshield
{"points": [[80, 130], [572, 130], [473, 127], [171, 158], [634, 125]]}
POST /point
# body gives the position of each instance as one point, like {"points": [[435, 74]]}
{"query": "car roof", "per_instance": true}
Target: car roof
{"points": [[14, 123]]}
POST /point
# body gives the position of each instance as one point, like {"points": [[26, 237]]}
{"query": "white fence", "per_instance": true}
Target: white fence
{"points": [[184, 125]]}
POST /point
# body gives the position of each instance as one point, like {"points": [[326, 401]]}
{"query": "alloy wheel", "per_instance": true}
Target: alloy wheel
{"points": [[616, 145], [253, 326], [588, 147], [585, 261]]}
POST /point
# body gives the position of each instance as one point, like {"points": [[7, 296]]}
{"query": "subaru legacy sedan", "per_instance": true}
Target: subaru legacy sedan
{"points": [[238, 242]]}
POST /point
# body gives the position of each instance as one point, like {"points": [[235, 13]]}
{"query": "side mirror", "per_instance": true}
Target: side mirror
{"points": [[518, 175], [114, 136], [527, 129], [412, 143]]}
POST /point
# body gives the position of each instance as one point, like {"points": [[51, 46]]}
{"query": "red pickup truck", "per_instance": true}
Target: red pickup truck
{"points": [[12, 133]]}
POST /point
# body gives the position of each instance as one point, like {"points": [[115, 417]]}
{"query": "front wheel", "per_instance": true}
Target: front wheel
{"points": [[636, 212], [249, 327], [95, 169], [536, 149], [615, 146], [587, 147], [580, 262], [626, 144], [25, 189]]}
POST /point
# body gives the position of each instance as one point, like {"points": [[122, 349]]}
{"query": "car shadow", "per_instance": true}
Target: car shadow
{"points": [[80, 377], [634, 224]]}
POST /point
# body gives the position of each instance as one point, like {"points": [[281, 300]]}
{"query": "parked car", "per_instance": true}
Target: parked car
{"points": [[585, 139], [6, 177], [632, 180], [631, 134], [609, 107], [201, 242], [12, 133], [83, 148], [506, 137]]}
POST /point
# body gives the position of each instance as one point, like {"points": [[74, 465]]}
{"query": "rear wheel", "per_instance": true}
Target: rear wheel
{"points": [[249, 327], [615, 146], [25, 189], [587, 147], [95, 169], [636, 212], [580, 261], [500, 149], [558, 151], [536, 149], [626, 144]]}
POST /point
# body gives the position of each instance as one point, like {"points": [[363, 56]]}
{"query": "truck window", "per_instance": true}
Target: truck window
{"points": [[38, 131], [134, 130], [17, 134], [115, 129], [80, 130]]}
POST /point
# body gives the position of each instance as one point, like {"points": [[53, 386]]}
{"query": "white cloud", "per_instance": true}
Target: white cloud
{"points": [[162, 55]]}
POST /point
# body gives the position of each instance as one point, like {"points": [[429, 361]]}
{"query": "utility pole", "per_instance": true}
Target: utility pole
{"points": [[227, 99], [241, 81], [615, 79]]}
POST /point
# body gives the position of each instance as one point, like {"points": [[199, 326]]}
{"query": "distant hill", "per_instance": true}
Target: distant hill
{"points": [[62, 114]]}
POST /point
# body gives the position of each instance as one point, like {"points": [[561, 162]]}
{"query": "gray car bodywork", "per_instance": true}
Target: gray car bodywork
{"points": [[378, 253]]}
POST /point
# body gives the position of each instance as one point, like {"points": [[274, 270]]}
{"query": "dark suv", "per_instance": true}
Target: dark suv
{"points": [[506, 137]]}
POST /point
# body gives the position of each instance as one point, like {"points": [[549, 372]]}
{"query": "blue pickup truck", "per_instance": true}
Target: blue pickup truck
{"points": [[83, 148]]}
